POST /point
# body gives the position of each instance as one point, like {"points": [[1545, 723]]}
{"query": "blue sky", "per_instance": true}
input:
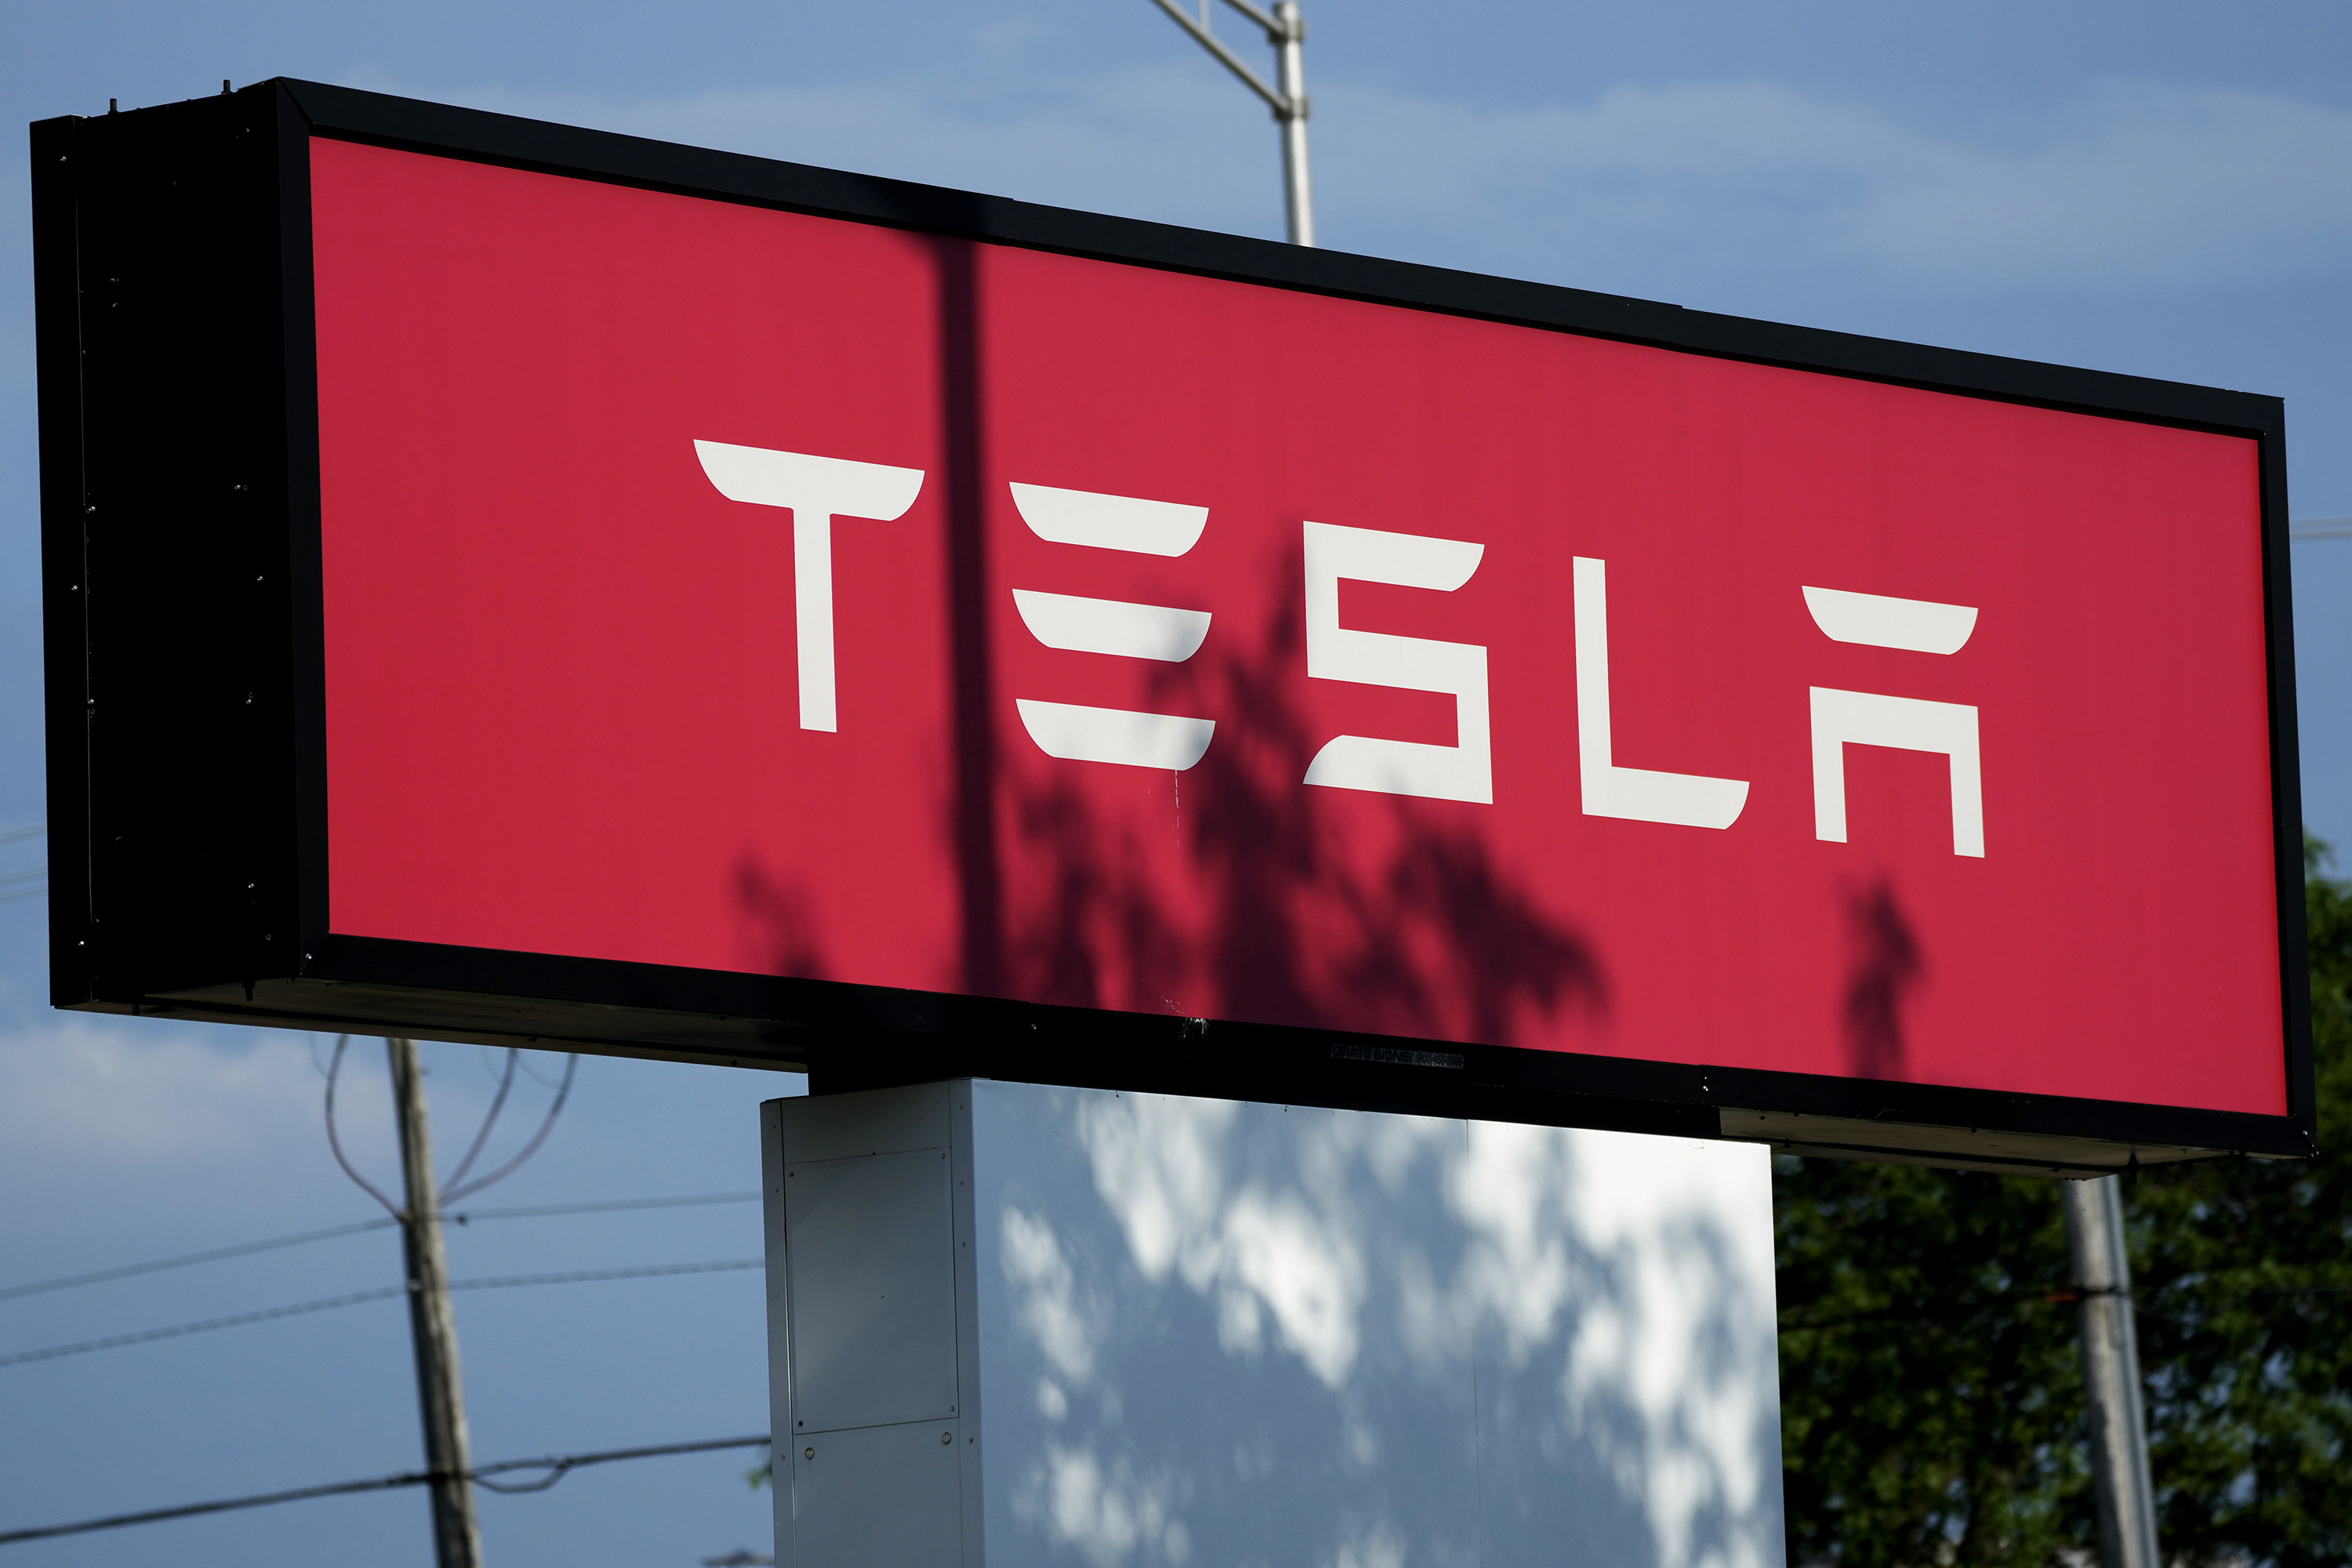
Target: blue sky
{"points": [[2161, 188]]}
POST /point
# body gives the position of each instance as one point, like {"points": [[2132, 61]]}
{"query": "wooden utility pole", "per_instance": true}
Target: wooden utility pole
{"points": [[457, 1543]]}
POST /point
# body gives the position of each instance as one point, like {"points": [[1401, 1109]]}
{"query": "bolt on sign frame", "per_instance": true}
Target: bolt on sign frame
{"points": [[520, 583]]}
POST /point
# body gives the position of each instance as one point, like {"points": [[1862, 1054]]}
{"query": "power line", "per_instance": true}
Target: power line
{"points": [[127, 1269], [605, 1207], [500, 1284], [489, 1121], [559, 1467], [114, 1342], [562, 1093], [335, 1145], [453, 1190], [2320, 528], [12, 880]]}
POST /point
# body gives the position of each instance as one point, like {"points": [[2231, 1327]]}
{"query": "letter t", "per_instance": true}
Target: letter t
{"points": [[815, 490]]}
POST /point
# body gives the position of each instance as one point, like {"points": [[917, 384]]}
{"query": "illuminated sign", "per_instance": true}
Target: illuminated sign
{"points": [[748, 612]]}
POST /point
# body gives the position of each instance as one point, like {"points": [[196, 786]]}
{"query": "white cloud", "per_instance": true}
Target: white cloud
{"points": [[143, 1098], [1685, 191], [2153, 189], [2134, 189], [111, 1129], [120, 1137], [1158, 143]]}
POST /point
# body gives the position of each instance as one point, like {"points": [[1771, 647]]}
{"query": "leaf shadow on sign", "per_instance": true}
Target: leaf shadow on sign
{"points": [[1311, 907], [781, 922], [1410, 929], [1888, 966], [972, 668], [1102, 939]]}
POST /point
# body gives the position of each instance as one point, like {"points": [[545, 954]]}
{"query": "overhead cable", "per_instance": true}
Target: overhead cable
{"points": [[454, 1191], [114, 1341], [489, 1121], [465, 1216], [127, 1269], [609, 1206], [559, 1468], [334, 1070], [14, 882]]}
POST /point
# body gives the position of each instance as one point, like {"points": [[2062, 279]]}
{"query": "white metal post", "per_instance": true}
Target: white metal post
{"points": [[1299, 206], [2117, 1428], [1286, 29]]}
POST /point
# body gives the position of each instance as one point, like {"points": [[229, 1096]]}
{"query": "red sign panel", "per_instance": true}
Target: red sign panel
{"points": [[728, 588]]}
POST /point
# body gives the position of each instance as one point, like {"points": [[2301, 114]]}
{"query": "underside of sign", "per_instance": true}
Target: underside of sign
{"points": [[520, 583]]}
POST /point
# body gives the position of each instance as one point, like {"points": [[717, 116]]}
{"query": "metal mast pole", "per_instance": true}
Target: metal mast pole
{"points": [[2118, 1430], [457, 1543], [1286, 29], [1299, 206]]}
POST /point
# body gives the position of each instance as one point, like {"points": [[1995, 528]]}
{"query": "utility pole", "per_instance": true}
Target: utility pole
{"points": [[1286, 29], [2118, 1429], [457, 1543]]}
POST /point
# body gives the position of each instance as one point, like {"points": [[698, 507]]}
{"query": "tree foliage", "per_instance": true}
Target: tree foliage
{"points": [[1931, 1389]]}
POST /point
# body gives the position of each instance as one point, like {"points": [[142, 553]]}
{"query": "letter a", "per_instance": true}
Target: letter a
{"points": [[1842, 719]]}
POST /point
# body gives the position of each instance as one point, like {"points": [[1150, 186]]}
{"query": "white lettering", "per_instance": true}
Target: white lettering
{"points": [[815, 490], [1842, 718], [1115, 734], [1638, 795], [1916, 626], [1464, 771], [1109, 522], [1112, 627]]}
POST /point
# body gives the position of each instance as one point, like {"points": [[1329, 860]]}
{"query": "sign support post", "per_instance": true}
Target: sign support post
{"points": [[1298, 204], [1011, 1324], [1286, 29], [456, 1542], [2111, 1387]]}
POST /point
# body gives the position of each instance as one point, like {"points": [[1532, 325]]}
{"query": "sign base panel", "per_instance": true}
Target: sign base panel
{"points": [[1011, 1323]]}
